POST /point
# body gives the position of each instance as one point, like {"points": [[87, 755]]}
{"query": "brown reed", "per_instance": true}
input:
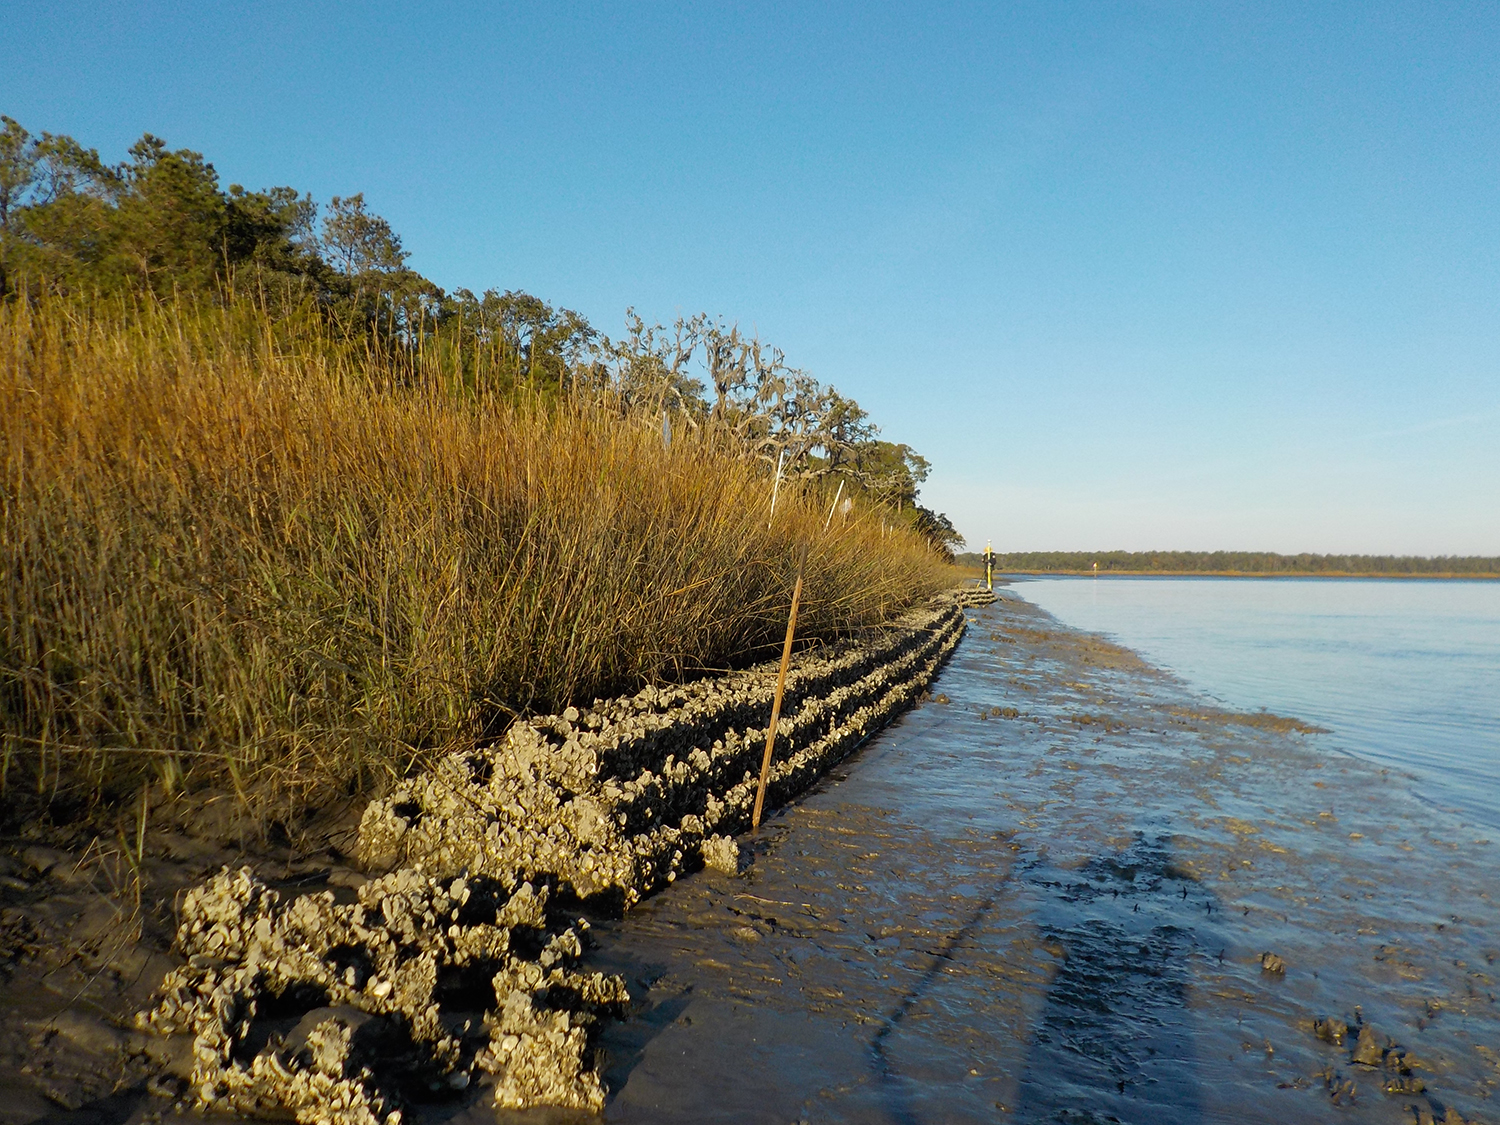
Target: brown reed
{"points": [[243, 551]]}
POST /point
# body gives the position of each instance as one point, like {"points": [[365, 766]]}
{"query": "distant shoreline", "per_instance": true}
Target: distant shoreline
{"points": [[1237, 564]]}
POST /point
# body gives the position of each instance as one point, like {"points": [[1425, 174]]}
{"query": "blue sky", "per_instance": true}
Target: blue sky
{"points": [[1150, 275]]}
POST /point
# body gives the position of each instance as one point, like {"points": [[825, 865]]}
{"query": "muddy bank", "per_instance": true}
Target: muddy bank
{"points": [[292, 983], [87, 929]]}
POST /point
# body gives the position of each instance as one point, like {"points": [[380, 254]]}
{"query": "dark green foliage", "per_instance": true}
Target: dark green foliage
{"points": [[891, 472], [160, 224], [359, 243], [170, 219], [273, 230], [938, 530], [530, 342], [157, 223]]}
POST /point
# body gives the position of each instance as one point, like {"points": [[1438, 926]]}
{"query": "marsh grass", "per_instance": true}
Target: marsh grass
{"points": [[242, 552]]}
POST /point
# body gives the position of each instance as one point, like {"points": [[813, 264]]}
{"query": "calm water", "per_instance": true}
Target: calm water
{"points": [[1405, 673]]}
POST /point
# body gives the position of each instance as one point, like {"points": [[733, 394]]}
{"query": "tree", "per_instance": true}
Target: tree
{"points": [[160, 223], [171, 218], [359, 242], [758, 405], [938, 530], [55, 205], [523, 339], [891, 473], [272, 228], [59, 224], [652, 369], [157, 221], [18, 157]]}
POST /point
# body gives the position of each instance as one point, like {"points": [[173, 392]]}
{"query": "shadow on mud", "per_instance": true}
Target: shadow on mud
{"points": [[1113, 1040]]}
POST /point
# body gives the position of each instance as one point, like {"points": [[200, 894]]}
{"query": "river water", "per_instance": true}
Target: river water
{"points": [[1405, 673], [1047, 893]]}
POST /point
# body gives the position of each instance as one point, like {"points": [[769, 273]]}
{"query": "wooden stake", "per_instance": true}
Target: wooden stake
{"points": [[786, 658], [836, 496], [775, 488]]}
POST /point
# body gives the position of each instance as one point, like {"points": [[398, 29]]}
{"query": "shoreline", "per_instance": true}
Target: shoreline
{"points": [[1070, 888], [1097, 763], [600, 805]]}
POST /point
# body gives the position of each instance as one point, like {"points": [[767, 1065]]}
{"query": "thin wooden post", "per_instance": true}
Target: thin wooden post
{"points": [[786, 658], [836, 496], [775, 488]]}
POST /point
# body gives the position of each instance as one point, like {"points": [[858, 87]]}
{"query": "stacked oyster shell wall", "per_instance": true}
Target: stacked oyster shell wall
{"points": [[339, 1012], [620, 798], [453, 968]]}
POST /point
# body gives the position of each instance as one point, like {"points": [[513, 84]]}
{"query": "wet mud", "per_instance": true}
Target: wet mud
{"points": [[1066, 889], [87, 933]]}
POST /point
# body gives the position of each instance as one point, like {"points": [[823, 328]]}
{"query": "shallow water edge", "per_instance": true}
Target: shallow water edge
{"points": [[1048, 894]]}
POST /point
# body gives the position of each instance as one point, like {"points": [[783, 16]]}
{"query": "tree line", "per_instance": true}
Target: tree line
{"points": [[160, 225], [1235, 562]]}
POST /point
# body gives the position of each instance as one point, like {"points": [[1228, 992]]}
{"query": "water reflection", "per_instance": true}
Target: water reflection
{"points": [[1406, 672]]}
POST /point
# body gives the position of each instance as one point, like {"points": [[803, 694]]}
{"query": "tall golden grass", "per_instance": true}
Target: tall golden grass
{"points": [[240, 551]]}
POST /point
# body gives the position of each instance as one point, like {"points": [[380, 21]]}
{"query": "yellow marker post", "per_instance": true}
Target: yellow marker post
{"points": [[786, 658]]}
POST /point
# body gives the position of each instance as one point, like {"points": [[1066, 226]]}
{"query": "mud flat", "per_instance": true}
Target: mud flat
{"points": [[447, 972], [1068, 889]]}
